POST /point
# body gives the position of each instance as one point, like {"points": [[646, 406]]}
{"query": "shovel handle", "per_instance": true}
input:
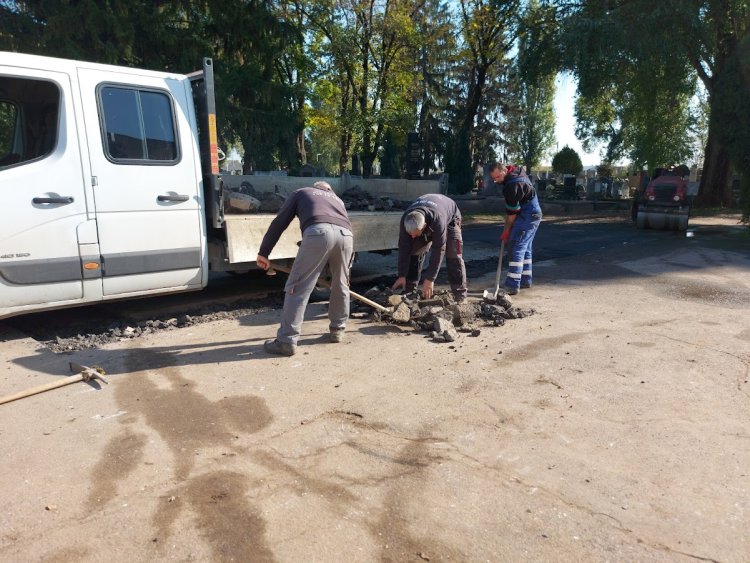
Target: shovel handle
{"points": [[499, 267], [362, 298]]}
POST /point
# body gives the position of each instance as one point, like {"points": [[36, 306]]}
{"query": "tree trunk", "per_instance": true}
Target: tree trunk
{"points": [[462, 177], [299, 140], [715, 188], [367, 161], [344, 146]]}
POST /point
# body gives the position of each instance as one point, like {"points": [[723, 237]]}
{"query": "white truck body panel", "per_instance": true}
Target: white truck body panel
{"points": [[372, 232], [145, 243], [114, 206], [39, 251]]}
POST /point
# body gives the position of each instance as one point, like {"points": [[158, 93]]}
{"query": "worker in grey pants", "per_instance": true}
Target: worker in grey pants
{"points": [[326, 239]]}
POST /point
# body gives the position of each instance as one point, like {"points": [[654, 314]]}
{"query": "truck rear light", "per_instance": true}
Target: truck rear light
{"points": [[677, 198], [651, 198]]}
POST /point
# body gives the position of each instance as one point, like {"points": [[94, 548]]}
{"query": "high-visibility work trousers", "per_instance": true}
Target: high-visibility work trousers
{"points": [[521, 241]]}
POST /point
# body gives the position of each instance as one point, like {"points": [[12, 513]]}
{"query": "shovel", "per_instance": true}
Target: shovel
{"points": [[490, 295], [357, 296]]}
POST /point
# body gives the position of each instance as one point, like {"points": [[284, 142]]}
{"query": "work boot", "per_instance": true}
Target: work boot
{"points": [[336, 335], [525, 285], [511, 290], [280, 348]]}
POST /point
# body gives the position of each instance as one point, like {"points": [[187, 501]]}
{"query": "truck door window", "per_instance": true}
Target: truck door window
{"points": [[28, 119], [138, 126], [8, 120]]}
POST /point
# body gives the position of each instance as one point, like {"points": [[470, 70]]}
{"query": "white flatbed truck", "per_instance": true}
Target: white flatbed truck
{"points": [[110, 187]]}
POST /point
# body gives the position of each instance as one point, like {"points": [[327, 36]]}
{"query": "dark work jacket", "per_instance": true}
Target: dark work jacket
{"points": [[439, 212], [311, 205], [517, 190]]}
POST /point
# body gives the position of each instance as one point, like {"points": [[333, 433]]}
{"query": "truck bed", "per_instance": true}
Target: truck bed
{"points": [[373, 231]]}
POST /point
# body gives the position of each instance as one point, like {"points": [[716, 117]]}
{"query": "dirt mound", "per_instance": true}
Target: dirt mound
{"points": [[441, 316]]}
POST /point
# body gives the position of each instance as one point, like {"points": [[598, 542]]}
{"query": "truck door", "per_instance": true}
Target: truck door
{"points": [[42, 190], [146, 171]]}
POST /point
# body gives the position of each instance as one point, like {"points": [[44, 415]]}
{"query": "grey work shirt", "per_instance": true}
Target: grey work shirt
{"points": [[439, 212], [311, 205]]}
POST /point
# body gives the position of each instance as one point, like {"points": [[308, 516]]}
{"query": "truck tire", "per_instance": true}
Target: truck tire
{"points": [[640, 220]]}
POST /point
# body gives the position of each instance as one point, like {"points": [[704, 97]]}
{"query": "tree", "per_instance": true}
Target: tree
{"points": [[436, 58], [633, 95], [534, 77], [295, 69], [699, 40], [370, 44], [245, 38], [253, 104], [488, 30], [711, 32], [731, 116], [604, 170], [567, 161], [390, 159]]}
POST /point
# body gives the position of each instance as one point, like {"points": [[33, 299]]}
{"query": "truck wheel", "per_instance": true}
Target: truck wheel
{"points": [[682, 223], [640, 220]]}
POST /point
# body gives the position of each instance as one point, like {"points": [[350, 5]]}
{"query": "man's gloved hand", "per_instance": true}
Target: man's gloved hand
{"points": [[505, 237]]}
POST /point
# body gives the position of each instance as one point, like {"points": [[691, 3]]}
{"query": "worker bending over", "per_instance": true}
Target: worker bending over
{"points": [[432, 221], [326, 239]]}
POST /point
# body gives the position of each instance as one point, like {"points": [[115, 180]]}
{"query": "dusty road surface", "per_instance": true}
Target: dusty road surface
{"points": [[612, 425]]}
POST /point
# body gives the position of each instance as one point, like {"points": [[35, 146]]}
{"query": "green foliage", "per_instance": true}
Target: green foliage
{"points": [[634, 95], [7, 127], [488, 30], [567, 161], [620, 50], [604, 170], [368, 50], [731, 116], [533, 133], [436, 57]]}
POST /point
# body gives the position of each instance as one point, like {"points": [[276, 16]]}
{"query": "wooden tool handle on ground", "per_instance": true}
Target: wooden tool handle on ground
{"points": [[362, 298], [85, 374], [41, 388]]}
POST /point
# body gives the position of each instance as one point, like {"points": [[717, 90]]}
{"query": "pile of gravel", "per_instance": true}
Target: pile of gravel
{"points": [[441, 316], [358, 199]]}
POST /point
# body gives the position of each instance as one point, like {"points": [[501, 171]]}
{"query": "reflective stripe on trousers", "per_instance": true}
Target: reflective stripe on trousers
{"points": [[521, 241]]}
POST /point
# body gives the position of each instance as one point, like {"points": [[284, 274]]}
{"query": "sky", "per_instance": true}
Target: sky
{"points": [[565, 93]]}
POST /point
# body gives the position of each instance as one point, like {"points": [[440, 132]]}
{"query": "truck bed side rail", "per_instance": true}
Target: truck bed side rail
{"points": [[202, 83]]}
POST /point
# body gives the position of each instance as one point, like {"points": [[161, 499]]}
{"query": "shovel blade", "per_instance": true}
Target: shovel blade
{"points": [[490, 295]]}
